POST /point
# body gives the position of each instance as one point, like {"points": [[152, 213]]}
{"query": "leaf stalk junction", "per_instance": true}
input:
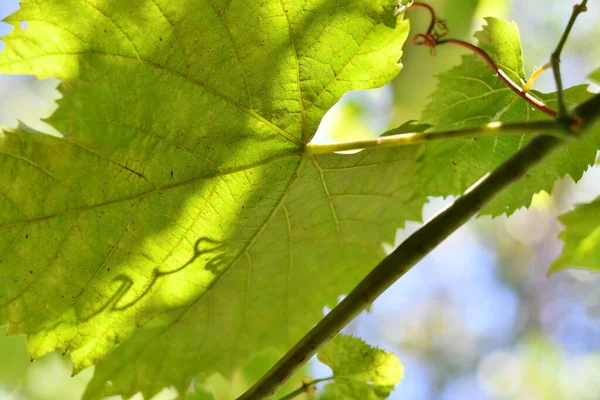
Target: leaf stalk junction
{"points": [[551, 137]]}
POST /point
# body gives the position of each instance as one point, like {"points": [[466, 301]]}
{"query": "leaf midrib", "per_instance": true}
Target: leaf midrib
{"points": [[158, 189]]}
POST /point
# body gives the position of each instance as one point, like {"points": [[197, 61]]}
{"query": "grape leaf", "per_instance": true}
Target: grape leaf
{"points": [[177, 228], [407, 127], [470, 95], [595, 76], [581, 239], [360, 372], [199, 394]]}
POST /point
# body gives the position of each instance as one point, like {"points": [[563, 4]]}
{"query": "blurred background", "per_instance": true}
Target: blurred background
{"points": [[478, 318]]}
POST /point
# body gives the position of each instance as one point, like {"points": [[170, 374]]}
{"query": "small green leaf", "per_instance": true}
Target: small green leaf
{"points": [[360, 372], [470, 95], [595, 77], [581, 239], [408, 127]]}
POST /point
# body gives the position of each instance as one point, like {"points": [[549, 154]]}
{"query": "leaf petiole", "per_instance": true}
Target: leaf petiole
{"points": [[535, 75], [405, 139], [305, 388]]}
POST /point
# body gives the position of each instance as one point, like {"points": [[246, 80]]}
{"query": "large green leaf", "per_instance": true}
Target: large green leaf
{"points": [[176, 229], [360, 372], [581, 239], [470, 95]]}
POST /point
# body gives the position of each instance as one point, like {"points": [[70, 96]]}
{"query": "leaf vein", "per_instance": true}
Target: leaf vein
{"points": [[300, 98], [164, 68], [116, 25], [235, 52], [158, 189]]}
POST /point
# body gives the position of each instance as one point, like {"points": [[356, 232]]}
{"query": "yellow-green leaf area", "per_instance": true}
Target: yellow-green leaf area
{"points": [[595, 77], [471, 94], [581, 239], [172, 231], [360, 372]]}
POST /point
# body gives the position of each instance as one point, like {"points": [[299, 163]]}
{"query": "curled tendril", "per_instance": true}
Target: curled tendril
{"points": [[438, 29], [434, 36]]}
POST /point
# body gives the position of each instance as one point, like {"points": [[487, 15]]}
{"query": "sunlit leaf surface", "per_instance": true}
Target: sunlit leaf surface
{"points": [[581, 239], [360, 372], [172, 231]]}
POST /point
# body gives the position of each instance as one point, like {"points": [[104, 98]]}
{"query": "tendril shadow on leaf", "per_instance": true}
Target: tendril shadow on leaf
{"points": [[212, 253]]}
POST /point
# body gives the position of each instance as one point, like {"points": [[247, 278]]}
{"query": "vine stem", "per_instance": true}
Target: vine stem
{"points": [[305, 387], [417, 246], [424, 240], [405, 139], [555, 59]]}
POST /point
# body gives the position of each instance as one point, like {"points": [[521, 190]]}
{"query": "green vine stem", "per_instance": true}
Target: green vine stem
{"points": [[555, 59], [424, 240], [416, 247], [405, 139], [304, 388]]}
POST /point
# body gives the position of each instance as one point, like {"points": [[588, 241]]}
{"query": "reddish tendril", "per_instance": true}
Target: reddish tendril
{"points": [[438, 29]]}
